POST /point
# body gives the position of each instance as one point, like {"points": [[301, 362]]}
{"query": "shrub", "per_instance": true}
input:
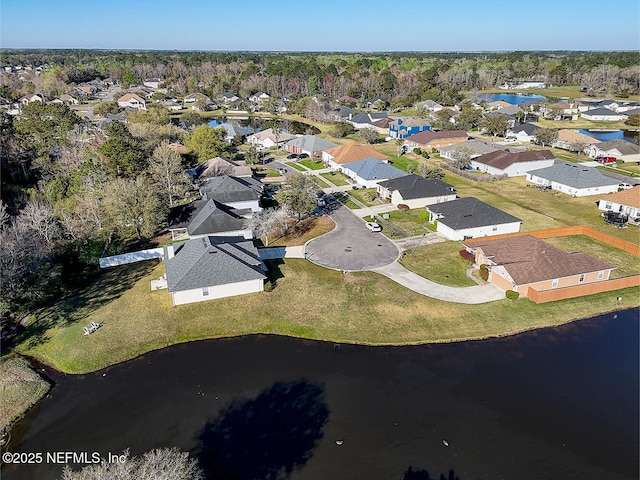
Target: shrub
{"points": [[424, 216], [402, 206], [417, 151], [268, 286], [467, 255], [511, 295], [425, 154], [484, 272]]}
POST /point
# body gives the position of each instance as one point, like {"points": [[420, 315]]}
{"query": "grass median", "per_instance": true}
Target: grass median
{"points": [[308, 301]]}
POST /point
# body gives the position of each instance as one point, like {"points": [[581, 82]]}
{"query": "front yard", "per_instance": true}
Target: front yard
{"points": [[336, 178], [412, 222], [440, 263]]}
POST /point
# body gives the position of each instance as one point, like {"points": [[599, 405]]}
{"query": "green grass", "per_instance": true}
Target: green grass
{"points": [[362, 195], [307, 301], [300, 168], [320, 181], [345, 199], [312, 164], [626, 264], [440, 262], [336, 178], [412, 222], [20, 388]]}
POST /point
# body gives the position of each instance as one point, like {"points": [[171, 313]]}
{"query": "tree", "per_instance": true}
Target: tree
{"points": [[158, 464], [342, 129], [155, 114], [554, 111], [207, 142], [633, 120], [494, 124], [442, 119], [546, 136], [165, 169], [461, 157], [578, 146], [40, 217], [106, 108], [369, 135], [298, 195], [427, 171], [124, 155], [267, 223], [252, 156], [399, 146]]}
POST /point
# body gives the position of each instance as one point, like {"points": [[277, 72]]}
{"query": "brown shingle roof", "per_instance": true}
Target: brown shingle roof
{"points": [[630, 197], [428, 136], [352, 152], [501, 159], [528, 259]]}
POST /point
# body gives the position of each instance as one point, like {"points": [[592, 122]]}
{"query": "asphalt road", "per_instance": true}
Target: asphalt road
{"points": [[350, 246]]}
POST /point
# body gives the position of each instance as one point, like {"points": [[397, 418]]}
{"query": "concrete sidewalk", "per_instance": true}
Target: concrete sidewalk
{"points": [[469, 295]]}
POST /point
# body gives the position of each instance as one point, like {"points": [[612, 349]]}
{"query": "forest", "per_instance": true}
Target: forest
{"points": [[73, 192]]}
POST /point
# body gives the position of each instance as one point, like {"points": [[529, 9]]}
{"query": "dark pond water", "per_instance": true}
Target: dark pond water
{"points": [[255, 124], [605, 135], [512, 98], [550, 404]]}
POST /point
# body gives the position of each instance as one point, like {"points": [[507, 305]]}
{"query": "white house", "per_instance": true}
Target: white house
{"points": [[209, 268], [522, 133], [368, 172], [268, 138], [603, 114], [415, 191], [468, 217], [131, 100], [518, 164], [624, 201], [573, 179], [236, 192]]}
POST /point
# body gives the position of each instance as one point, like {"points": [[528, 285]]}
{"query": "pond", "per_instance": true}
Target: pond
{"points": [[255, 124], [605, 135], [512, 98], [552, 403]]}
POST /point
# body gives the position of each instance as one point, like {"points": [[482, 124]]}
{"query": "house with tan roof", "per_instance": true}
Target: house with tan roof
{"points": [[626, 202], [510, 164], [621, 149], [435, 140], [524, 262], [570, 139], [131, 100], [218, 166], [268, 138], [350, 152], [497, 105]]}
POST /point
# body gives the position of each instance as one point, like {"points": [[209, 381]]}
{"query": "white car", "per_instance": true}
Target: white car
{"points": [[373, 226], [321, 202]]}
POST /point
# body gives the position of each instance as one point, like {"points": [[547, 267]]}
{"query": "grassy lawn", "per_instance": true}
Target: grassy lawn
{"points": [[308, 301], [345, 199], [320, 181], [336, 178], [362, 194], [629, 169], [300, 168], [440, 262], [266, 172], [412, 222], [626, 263], [312, 164], [301, 232], [20, 388]]}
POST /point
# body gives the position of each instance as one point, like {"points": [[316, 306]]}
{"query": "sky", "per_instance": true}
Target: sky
{"points": [[322, 25]]}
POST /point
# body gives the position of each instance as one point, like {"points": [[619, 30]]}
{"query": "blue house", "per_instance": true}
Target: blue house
{"points": [[404, 127]]}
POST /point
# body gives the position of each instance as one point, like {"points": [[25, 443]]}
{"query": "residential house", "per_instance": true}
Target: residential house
{"points": [[473, 148], [429, 106], [368, 172], [65, 99], [239, 105], [513, 164], [378, 103], [350, 152], [365, 120], [497, 105], [430, 140], [268, 138], [522, 133], [469, 217], [603, 114], [152, 82], [562, 111], [131, 100], [522, 84], [571, 139], [381, 126], [573, 179], [236, 192], [228, 97], [87, 89], [30, 98], [621, 149], [207, 216], [309, 144], [525, 263], [626, 202], [344, 114], [218, 166], [415, 191], [209, 268], [513, 114], [407, 126], [259, 97], [232, 131]]}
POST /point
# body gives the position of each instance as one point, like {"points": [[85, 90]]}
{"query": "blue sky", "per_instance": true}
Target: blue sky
{"points": [[325, 25]]}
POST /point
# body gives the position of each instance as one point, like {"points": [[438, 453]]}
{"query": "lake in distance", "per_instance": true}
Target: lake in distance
{"points": [[558, 403]]}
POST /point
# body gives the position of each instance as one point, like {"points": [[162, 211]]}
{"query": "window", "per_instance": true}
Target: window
{"points": [[205, 291], [600, 275], [607, 205], [494, 229], [554, 284], [581, 278]]}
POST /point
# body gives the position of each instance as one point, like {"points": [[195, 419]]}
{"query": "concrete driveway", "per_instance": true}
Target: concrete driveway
{"points": [[350, 246]]}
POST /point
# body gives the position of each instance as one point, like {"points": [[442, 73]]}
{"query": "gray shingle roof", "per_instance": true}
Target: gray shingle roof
{"points": [[229, 189], [311, 143], [469, 212], [373, 169], [415, 186], [233, 129], [212, 261], [474, 146], [574, 175], [527, 128], [601, 111], [206, 216], [624, 147]]}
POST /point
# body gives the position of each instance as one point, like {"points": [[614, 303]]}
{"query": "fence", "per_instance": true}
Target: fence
{"points": [[581, 290]]}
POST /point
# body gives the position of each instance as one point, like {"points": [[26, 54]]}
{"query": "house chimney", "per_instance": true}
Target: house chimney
{"points": [[169, 251]]}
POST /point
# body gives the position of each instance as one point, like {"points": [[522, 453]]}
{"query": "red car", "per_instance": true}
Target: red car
{"points": [[605, 160]]}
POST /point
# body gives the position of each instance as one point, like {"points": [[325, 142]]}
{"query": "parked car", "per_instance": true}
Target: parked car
{"points": [[293, 156], [303, 155], [605, 160], [282, 171], [373, 226], [625, 186], [321, 202]]}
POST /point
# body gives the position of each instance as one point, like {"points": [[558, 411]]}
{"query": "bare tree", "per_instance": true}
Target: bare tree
{"points": [[268, 223], [546, 136], [165, 168], [41, 218]]}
